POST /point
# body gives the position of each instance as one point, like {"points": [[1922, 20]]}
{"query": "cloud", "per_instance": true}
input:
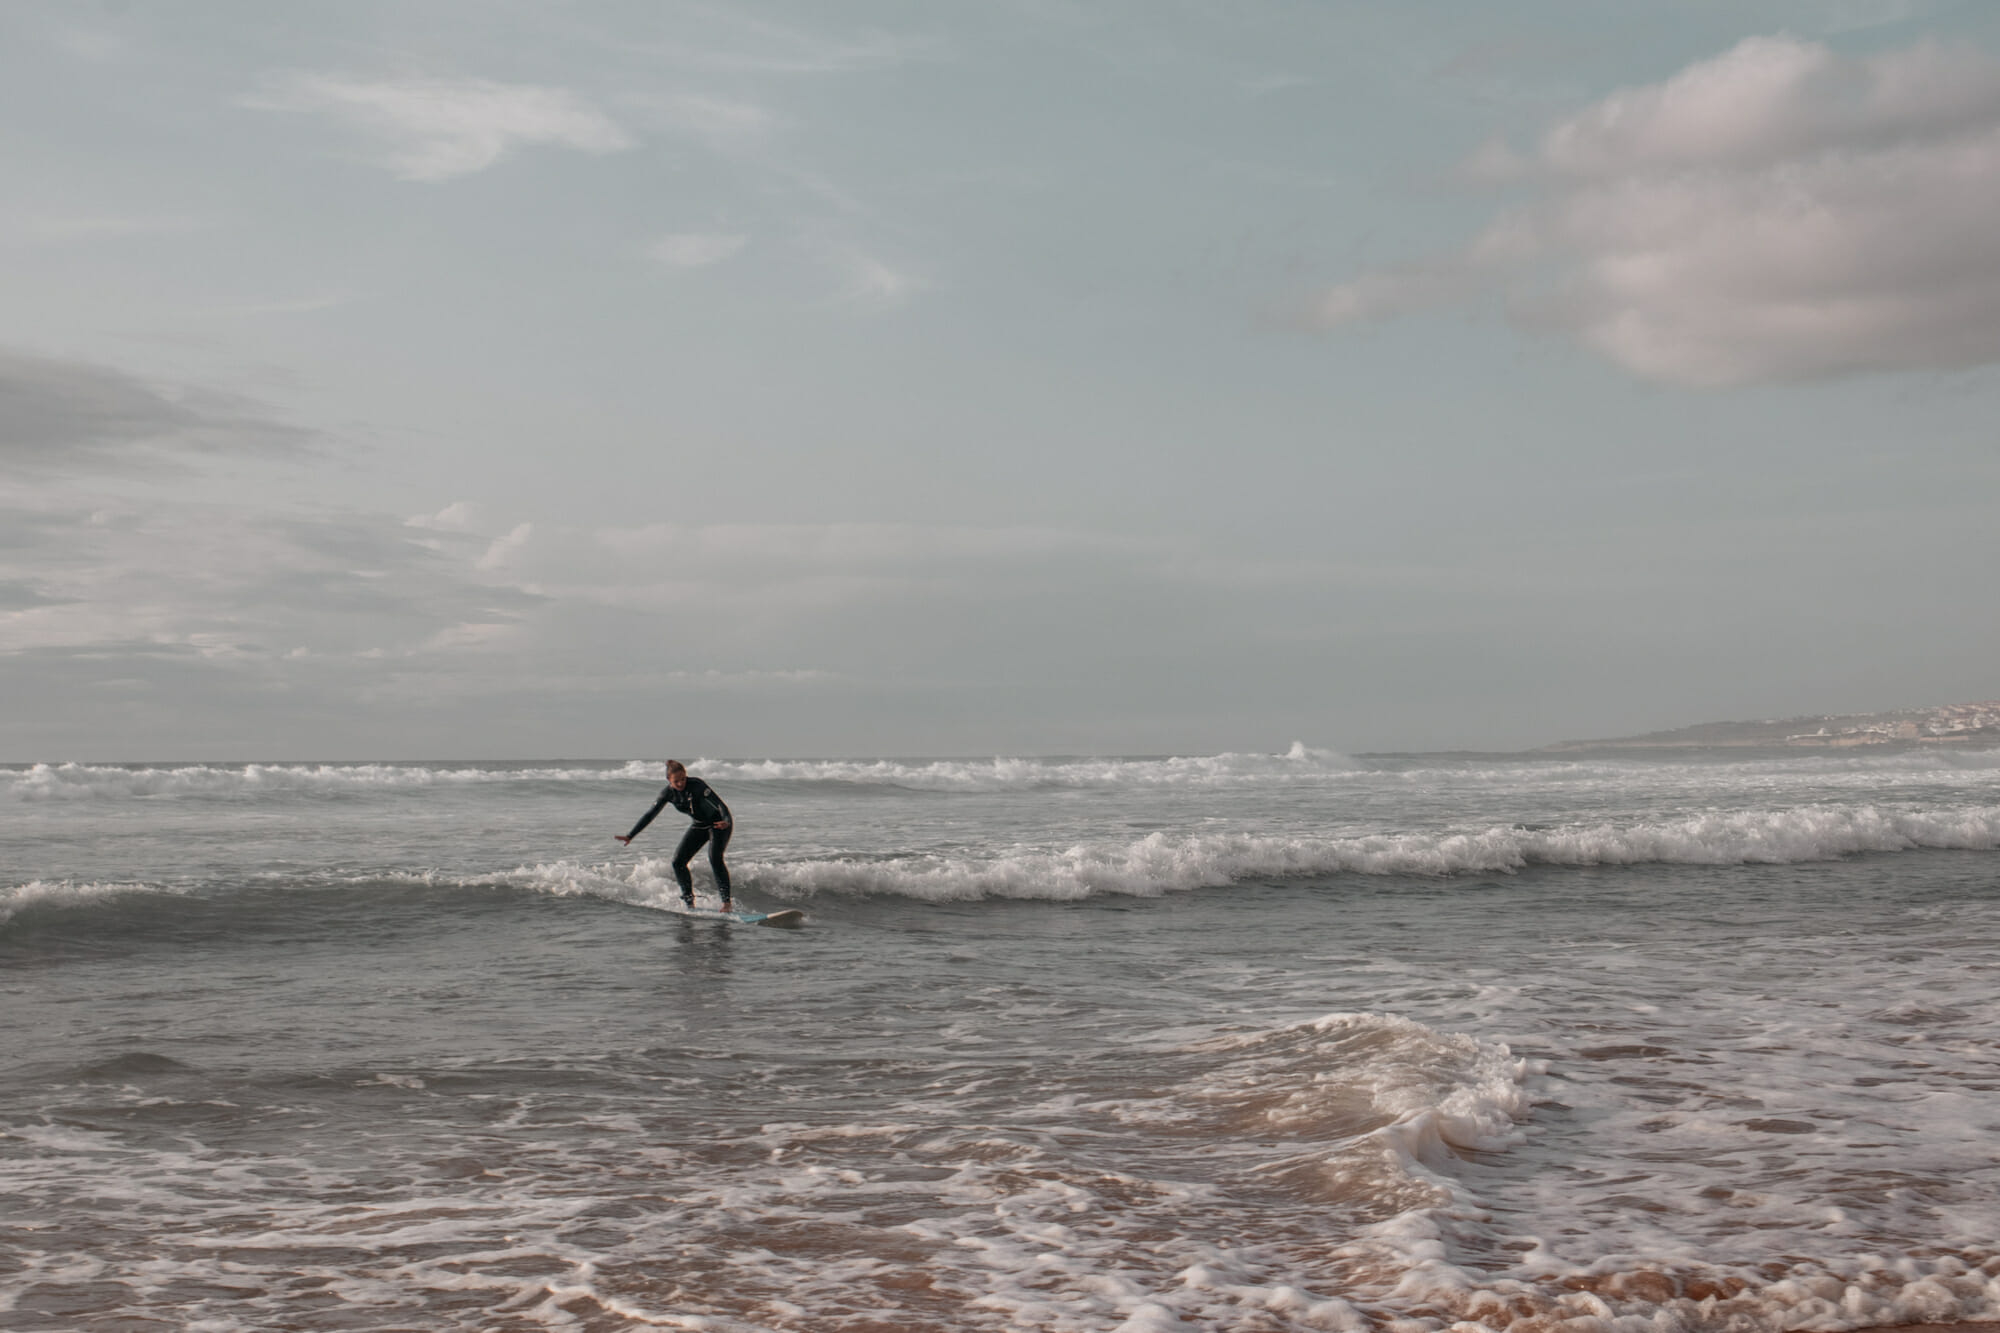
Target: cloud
{"points": [[1773, 100], [144, 622], [694, 249], [458, 516], [723, 125], [16, 595], [66, 228], [869, 281], [60, 414], [251, 588], [503, 550], [433, 129], [726, 41], [1860, 15], [236, 584], [1778, 212], [301, 305]]}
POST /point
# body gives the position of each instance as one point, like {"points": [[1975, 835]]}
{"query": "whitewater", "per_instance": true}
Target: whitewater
{"points": [[1264, 1040]]}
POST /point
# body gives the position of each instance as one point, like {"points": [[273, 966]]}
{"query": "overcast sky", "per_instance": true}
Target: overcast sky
{"points": [[592, 379]]}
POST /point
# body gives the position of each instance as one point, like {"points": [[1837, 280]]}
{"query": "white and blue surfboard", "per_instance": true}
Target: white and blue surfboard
{"points": [[790, 916]]}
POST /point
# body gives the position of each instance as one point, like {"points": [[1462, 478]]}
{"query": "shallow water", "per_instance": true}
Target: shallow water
{"points": [[1265, 1042]]}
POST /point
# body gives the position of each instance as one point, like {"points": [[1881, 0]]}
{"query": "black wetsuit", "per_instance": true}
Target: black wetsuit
{"points": [[698, 802]]}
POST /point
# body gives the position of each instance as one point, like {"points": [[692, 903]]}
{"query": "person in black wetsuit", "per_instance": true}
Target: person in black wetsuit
{"points": [[712, 825]]}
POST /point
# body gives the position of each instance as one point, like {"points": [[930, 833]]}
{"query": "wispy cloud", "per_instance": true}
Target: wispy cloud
{"points": [[504, 550], [19, 595], [301, 305], [248, 584], [869, 281], [1860, 15], [251, 584], [1777, 212], [730, 126], [725, 40], [458, 516], [432, 129], [62, 415], [225, 624], [695, 249], [67, 228]]}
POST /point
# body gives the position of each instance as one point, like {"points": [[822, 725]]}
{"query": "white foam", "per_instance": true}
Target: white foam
{"points": [[46, 782], [1298, 763], [1347, 1115], [1161, 862], [1701, 770], [1300, 766], [59, 782], [1148, 1213], [65, 894], [648, 882]]}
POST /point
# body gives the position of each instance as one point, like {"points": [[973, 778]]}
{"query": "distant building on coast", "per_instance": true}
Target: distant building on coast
{"points": [[1948, 724]]}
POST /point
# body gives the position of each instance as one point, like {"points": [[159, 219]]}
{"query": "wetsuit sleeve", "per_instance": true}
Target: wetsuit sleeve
{"points": [[647, 818]]}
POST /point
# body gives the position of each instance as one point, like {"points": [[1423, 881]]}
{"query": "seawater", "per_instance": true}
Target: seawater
{"points": [[1248, 1041]]}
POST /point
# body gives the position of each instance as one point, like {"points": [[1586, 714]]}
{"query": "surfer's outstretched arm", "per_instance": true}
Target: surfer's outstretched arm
{"points": [[646, 818]]}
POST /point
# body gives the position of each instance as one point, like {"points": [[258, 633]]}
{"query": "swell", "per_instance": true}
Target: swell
{"points": [[1300, 766], [55, 782], [74, 782], [1161, 863]]}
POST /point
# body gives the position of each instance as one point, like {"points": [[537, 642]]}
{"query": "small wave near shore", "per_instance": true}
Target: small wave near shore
{"points": [[1161, 863]]}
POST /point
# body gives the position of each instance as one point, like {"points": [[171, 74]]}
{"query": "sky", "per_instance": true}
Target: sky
{"points": [[482, 380]]}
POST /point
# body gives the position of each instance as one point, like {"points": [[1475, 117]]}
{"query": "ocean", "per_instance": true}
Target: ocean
{"points": [[1665, 1042]]}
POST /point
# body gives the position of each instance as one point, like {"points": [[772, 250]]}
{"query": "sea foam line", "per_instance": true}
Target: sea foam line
{"points": [[1300, 766], [42, 782], [1002, 773], [38, 893], [1162, 863], [60, 782]]}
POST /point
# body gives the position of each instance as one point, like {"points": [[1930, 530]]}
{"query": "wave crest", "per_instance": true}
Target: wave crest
{"points": [[1006, 774], [56, 782], [69, 782], [1161, 863], [60, 894]]}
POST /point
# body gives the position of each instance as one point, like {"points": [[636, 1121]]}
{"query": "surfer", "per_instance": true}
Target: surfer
{"points": [[712, 824]]}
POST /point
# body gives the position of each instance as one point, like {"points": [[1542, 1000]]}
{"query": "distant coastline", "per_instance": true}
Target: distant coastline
{"points": [[1944, 724]]}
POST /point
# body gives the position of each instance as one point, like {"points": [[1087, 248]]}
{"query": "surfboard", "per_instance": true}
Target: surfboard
{"points": [[790, 916]]}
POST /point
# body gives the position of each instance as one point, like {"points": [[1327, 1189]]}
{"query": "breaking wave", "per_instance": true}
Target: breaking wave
{"points": [[56, 782], [1301, 766], [44, 782], [37, 893], [1161, 863], [1003, 774]]}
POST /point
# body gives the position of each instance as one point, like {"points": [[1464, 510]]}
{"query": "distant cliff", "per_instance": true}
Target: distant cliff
{"points": [[1946, 724]]}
